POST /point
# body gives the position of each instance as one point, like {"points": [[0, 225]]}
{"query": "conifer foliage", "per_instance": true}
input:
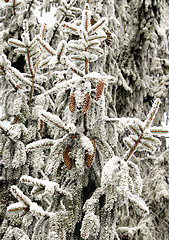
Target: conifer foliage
{"points": [[72, 166]]}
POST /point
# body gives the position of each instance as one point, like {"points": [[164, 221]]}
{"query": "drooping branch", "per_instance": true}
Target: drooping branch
{"points": [[36, 65]]}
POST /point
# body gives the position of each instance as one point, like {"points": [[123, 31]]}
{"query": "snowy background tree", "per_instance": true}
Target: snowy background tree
{"points": [[83, 130]]}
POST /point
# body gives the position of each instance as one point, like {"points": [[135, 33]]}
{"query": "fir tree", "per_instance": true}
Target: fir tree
{"points": [[81, 155]]}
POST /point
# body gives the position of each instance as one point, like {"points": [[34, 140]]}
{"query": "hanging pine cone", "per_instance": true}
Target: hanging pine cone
{"points": [[99, 89], [86, 102], [72, 102], [41, 126], [67, 159], [88, 157], [109, 38], [15, 121]]}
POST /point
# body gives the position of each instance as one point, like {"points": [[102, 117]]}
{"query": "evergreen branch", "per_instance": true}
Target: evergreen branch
{"points": [[26, 209], [11, 134], [3, 70], [93, 43], [44, 143], [17, 207], [56, 28], [32, 45], [20, 196], [72, 2], [70, 27], [36, 65], [44, 63], [38, 182], [152, 113], [43, 31], [33, 54], [148, 121], [132, 150], [46, 46], [5, 131], [78, 58], [30, 206], [86, 17], [147, 146], [29, 62], [12, 82], [77, 71], [159, 131], [15, 73], [61, 49], [86, 66], [151, 139], [134, 129], [96, 37], [97, 25], [16, 43], [52, 168], [51, 120], [37, 191], [97, 50]]}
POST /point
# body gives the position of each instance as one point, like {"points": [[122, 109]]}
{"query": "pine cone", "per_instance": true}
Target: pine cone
{"points": [[72, 102], [86, 102], [41, 126], [109, 38], [67, 159], [99, 89], [15, 121], [88, 157]]}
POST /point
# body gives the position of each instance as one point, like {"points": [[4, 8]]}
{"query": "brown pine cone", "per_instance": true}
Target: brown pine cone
{"points": [[86, 102], [72, 102], [88, 157], [67, 159], [99, 89]]}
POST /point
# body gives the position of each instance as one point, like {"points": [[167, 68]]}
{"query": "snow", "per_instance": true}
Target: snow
{"points": [[110, 168], [2, 3], [87, 144], [121, 184], [46, 17]]}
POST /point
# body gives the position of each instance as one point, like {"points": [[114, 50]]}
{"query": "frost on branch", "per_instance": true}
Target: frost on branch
{"points": [[143, 138], [25, 204], [26, 47], [40, 185], [121, 181], [68, 117], [51, 119], [87, 48], [44, 143], [87, 144], [48, 190], [90, 226], [16, 233]]}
